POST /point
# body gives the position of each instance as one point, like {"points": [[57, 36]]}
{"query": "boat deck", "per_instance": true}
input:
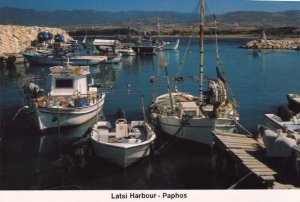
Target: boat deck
{"points": [[249, 153]]}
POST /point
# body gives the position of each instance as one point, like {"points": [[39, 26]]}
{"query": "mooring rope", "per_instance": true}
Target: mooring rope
{"points": [[240, 180], [168, 143], [240, 125]]}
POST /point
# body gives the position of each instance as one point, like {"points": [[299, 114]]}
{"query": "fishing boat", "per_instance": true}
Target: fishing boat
{"points": [[50, 59], [125, 142], [191, 117], [294, 101], [107, 48], [71, 101]]}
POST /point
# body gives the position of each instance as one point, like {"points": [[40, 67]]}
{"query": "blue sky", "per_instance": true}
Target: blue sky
{"points": [[214, 6]]}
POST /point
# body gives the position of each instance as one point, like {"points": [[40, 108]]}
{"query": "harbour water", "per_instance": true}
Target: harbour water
{"points": [[260, 84]]}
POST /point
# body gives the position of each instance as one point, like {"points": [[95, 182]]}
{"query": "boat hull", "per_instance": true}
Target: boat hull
{"points": [[114, 60], [144, 50], [57, 117], [195, 129], [45, 60], [277, 144], [294, 102], [120, 155]]}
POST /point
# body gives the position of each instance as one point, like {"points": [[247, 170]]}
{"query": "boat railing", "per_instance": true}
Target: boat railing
{"points": [[68, 101]]}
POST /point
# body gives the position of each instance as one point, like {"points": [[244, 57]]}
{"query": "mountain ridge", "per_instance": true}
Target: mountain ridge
{"points": [[30, 17]]}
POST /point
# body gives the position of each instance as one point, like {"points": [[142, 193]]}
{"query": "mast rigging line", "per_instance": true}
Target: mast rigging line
{"points": [[219, 61], [195, 16]]}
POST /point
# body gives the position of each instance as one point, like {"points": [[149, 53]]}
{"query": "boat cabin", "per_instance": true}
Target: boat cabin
{"points": [[69, 80], [188, 109]]}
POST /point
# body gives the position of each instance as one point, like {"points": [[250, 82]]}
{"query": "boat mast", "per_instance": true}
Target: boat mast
{"points": [[202, 13]]}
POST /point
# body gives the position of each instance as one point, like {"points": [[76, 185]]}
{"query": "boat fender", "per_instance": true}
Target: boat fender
{"points": [[63, 104], [71, 102], [31, 88]]}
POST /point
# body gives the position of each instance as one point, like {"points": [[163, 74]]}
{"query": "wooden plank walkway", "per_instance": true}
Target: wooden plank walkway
{"points": [[250, 153]]}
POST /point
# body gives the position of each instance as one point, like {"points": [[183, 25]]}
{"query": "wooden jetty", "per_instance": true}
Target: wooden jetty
{"points": [[250, 154]]}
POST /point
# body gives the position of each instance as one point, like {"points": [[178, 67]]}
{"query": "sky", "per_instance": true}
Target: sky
{"points": [[186, 6]]}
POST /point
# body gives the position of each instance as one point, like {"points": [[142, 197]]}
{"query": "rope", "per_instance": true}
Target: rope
{"points": [[195, 15], [240, 125], [240, 180]]}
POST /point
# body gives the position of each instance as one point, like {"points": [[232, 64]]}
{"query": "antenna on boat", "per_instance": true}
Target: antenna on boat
{"points": [[143, 106], [202, 13]]}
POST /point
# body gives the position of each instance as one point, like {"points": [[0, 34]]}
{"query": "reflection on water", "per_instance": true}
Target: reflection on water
{"points": [[30, 159]]}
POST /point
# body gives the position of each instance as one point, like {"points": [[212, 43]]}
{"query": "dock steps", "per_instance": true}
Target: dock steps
{"points": [[250, 153]]}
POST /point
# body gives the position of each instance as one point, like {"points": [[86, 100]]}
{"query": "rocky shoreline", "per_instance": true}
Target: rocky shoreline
{"points": [[272, 44], [15, 39]]}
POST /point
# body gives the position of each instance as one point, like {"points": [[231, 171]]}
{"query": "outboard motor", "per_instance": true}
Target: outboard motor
{"points": [[120, 114], [33, 90], [59, 38]]}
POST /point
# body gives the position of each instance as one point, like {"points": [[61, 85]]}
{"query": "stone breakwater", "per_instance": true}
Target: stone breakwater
{"points": [[15, 39], [272, 44]]}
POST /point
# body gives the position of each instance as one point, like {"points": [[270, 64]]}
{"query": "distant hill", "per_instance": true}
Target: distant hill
{"points": [[75, 17], [246, 19], [263, 19]]}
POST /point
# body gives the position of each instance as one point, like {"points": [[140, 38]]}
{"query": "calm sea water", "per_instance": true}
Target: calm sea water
{"points": [[260, 85]]}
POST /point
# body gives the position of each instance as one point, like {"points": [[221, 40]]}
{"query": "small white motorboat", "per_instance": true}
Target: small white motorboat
{"points": [[123, 144]]}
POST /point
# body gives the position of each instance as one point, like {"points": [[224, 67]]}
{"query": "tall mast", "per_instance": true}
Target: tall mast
{"points": [[202, 13]]}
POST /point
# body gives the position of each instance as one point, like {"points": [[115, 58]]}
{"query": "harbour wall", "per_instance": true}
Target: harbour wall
{"points": [[272, 44]]}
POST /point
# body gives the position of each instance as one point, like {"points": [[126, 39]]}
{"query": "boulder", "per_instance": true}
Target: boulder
{"points": [[271, 44], [15, 39]]}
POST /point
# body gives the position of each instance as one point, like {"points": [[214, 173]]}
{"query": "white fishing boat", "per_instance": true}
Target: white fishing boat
{"points": [[275, 122], [195, 117], [71, 101], [125, 143]]}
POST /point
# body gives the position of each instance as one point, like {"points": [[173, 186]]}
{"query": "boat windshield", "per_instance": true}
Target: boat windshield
{"points": [[64, 83]]}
